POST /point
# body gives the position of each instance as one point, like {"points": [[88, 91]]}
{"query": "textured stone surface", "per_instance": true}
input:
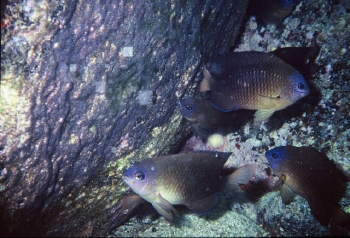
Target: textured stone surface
{"points": [[70, 119]]}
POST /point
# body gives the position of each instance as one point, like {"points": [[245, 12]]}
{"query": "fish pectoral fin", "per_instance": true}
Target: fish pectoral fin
{"points": [[272, 98], [202, 130], [287, 194], [205, 205], [129, 203], [277, 185], [262, 115], [164, 208]]}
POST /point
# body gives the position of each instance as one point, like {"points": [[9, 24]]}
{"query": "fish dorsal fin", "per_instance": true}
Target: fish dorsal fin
{"points": [[262, 115], [164, 208], [287, 194], [204, 205]]}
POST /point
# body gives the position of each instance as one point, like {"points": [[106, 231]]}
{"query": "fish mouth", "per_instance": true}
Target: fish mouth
{"points": [[125, 178], [178, 102]]}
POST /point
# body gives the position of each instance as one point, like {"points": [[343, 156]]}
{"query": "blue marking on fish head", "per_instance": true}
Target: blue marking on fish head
{"points": [[296, 88], [288, 5], [141, 178], [277, 158]]}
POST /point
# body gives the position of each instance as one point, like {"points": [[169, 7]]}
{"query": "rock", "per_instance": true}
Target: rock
{"points": [[70, 119]]}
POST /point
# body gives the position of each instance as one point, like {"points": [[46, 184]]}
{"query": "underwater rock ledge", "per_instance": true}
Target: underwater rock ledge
{"points": [[71, 73]]}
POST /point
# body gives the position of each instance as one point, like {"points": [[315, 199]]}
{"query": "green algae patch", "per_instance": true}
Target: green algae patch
{"points": [[9, 101]]}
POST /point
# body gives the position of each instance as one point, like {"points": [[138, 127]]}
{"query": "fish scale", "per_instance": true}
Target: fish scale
{"points": [[258, 85], [192, 179], [302, 177], [179, 179], [312, 175], [253, 80], [206, 120]]}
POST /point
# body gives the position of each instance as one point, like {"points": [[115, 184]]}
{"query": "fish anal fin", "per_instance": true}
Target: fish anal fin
{"points": [[262, 115], [204, 205], [287, 194], [164, 208]]}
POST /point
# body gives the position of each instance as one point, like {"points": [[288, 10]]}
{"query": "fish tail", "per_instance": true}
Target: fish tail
{"points": [[241, 176], [205, 83], [341, 218], [330, 213]]}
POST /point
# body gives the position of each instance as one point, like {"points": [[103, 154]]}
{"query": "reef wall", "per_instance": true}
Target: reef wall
{"points": [[88, 87]]}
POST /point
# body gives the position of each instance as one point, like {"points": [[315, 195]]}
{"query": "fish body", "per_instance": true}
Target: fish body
{"points": [[192, 179], [253, 80], [206, 120], [310, 174], [272, 12]]}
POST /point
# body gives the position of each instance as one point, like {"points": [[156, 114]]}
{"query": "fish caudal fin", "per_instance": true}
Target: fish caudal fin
{"points": [[205, 205], [241, 176], [164, 208], [330, 213], [205, 83], [262, 115], [341, 218]]}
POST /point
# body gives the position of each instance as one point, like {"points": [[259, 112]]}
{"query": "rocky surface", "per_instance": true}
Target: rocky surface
{"points": [[89, 87], [72, 115], [321, 120]]}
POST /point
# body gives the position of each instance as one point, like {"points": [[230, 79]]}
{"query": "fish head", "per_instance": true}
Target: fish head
{"points": [[188, 108], [141, 178], [278, 158], [296, 88]]}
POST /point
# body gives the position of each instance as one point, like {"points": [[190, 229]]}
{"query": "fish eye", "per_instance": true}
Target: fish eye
{"points": [[189, 107], [274, 155], [301, 86], [140, 175]]}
